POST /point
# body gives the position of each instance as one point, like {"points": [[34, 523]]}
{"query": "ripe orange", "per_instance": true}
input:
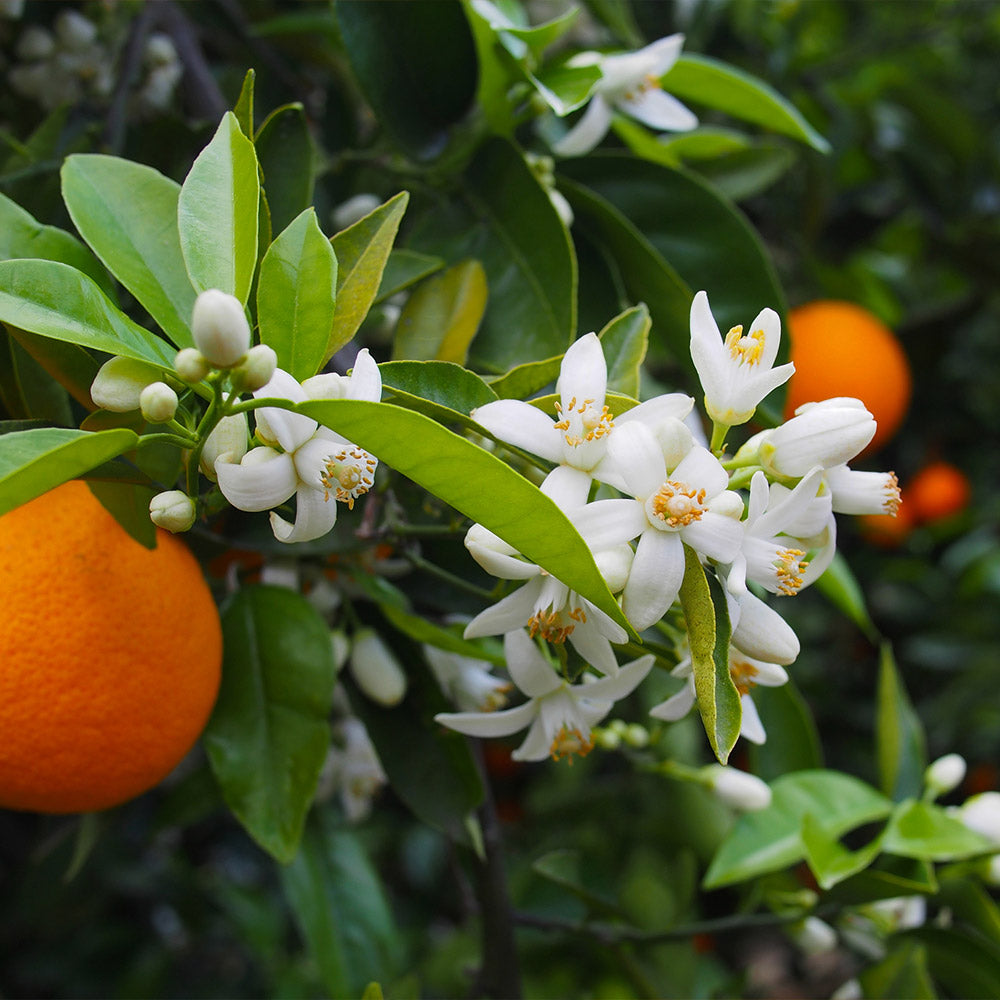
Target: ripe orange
{"points": [[841, 349], [888, 531], [111, 656], [937, 491]]}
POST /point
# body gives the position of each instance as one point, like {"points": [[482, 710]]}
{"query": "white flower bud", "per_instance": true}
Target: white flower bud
{"points": [[74, 31], [828, 433], [35, 43], [340, 645], [190, 365], [991, 875], [981, 814], [119, 384], [227, 443], [173, 510], [945, 773], [760, 631], [814, 936], [375, 670], [736, 788], [856, 492], [158, 403], [675, 439], [220, 328], [848, 990], [615, 565], [258, 368]]}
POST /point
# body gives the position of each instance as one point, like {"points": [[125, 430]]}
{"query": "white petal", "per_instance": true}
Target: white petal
{"points": [[365, 381], [502, 723], [637, 457], [501, 565], [588, 131], [605, 524], [612, 689], [826, 544], [653, 412], [659, 110], [522, 425], [264, 479], [715, 535], [663, 53], [506, 615], [751, 728], [676, 706], [537, 744], [567, 486], [314, 517], [290, 430], [701, 469], [768, 321], [583, 374], [707, 350], [655, 579], [587, 640], [528, 669]]}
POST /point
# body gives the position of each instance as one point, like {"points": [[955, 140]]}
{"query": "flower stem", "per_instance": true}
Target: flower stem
{"points": [[719, 432]]}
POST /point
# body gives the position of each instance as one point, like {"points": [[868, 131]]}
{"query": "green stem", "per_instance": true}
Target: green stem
{"points": [[163, 438], [418, 562], [719, 432]]}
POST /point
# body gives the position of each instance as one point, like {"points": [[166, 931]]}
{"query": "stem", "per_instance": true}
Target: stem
{"points": [[719, 432], [418, 562]]}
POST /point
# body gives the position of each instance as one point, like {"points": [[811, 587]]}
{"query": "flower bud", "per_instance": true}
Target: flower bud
{"points": [[736, 788], [220, 328], [375, 670], [190, 365], [35, 43], [827, 434], [614, 565], [226, 443], [119, 384], [258, 367], [814, 936], [74, 31], [981, 814], [945, 773], [173, 510], [158, 403], [341, 647], [761, 632]]}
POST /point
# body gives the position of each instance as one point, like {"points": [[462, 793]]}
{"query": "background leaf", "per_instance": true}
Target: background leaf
{"points": [[286, 155], [899, 736], [624, 342]]}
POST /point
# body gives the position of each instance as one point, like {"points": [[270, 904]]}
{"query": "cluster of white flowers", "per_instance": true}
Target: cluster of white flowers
{"points": [[674, 492]]}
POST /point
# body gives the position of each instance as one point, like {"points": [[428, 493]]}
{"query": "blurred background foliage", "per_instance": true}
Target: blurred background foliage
{"points": [[902, 216]]}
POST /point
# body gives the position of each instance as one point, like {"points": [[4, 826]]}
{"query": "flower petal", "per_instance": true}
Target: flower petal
{"points": [[314, 517], [588, 131], [612, 689], [522, 425], [508, 614], [365, 380], [659, 110], [636, 457], [655, 579], [528, 669], [700, 468], [707, 350], [567, 486], [583, 374], [289, 429], [751, 728], [654, 411], [676, 706], [502, 723], [607, 523], [264, 479], [587, 640], [715, 535]]}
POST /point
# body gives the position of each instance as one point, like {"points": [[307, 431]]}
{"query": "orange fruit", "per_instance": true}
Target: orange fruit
{"points": [[888, 531], [111, 656], [937, 491], [841, 349]]}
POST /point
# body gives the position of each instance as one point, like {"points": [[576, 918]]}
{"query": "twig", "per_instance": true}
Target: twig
{"points": [[203, 92]]}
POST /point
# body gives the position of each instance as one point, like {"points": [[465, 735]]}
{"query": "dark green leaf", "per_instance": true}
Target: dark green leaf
{"points": [[26, 390], [971, 904], [888, 878], [128, 504], [624, 342], [285, 151], [792, 739], [967, 967], [902, 973], [269, 734], [900, 743], [747, 172], [525, 380], [71, 366], [839, 584], [565, 869], [405, 268], [419, 629]]}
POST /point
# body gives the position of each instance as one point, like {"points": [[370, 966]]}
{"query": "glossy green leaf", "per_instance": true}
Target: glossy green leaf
{"points": [[71, 366], [475, 483], [35, 461], [792, 738], [419, 629], [26, 390], [55, 300], [924, 830], [128, 213], [888, 878], [964, 965], [243, 109], [840, 586], [128, 504], [723, 87], [746, 173], [269, 734], [217, 213], [362, 252], [902, 973], [445, 391], [624, 341], [285, 151], [525, 380], [21, 235], [771, 839], [566, 869], [828, 859], [704, 143], [442, 315], [296, 296], [495, 75], [899, 735], [707, 621], [340, 907], [564, 87], [405, 268]]}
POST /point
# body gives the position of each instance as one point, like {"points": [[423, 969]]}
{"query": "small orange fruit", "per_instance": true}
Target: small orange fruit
{"points": [[111, 656], [841, 349], [888, 531], [937, 491]]}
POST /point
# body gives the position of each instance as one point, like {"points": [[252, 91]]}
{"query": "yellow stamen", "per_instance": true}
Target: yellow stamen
{"points": [[678, 504], [744, 675], [348, 474], [570, 741], [747, 350], [789, 567], [893, 498], [549, 626]]}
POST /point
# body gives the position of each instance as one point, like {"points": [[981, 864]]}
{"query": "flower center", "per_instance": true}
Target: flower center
{"points": [[789, 567], [348, 474], [677, 504], [745, 350], [569, 741], [892, 499], [647, 83], [744, 675], [552, 626], [583, 422]]}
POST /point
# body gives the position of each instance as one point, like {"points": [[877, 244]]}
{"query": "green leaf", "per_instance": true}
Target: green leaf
{"points": [[726, 88], [525, 380], [902, 973], [565, 868], [128, 503], [920, 829], [564, 87], [475, 483], [405, 268], [707, 620], [217, 213], [128, 213], [35, 461], [296, 296], [840, 586], [890, 877], [55, 300], [624, 341], [747, 172], [419, 629], [828, 859], [770, 840], [494, 73], [269, 734], [442, 315], [341, 909], [445, 391], [792, 739], [285, 151], [26, 390], [972, 905], [21, 235], [71, 366], [362, 252], [899, 735], [243, 111], [965, 966]]}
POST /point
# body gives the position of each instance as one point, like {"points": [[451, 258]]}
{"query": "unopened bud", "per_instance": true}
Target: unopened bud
{"points": [[827, 433], [636, 735], [258, 367], [119, 384], [814, 936], [981, 814], [341, 647], [614, 565], [220, 328], [945, 773], [375, 670], [736, 788], [190, 364], [173, 510], [226, 443], [74, 31], [158, 403]]}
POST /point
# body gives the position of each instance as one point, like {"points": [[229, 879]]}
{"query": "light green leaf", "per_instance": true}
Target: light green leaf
{"points": [[128, 213], [442, 315], [419, 629], [269, 733], [405, 268], [564, 87], [475, 483], [445, 391], [32, 462], [296, 296], [341, 909], [717, 85], [923, 830], [362, 252], [624, 341], [243, 110], [770, 840], [525, 380], [55, 300], [707, 620], [899, 736], [285, 151], [828, 859], [217, 213], [888, 878]]}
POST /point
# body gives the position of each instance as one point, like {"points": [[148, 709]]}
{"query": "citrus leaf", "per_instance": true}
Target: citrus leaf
{"points": [[900, 745], [840, 586], [70, 365], [902, 973], [243, 109], [419, 629], [792, 738], [445, 391], [965, 966], [405, 268], [26, 391], [923, 830], [624, 341], [285, 151], [828, 859]]}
